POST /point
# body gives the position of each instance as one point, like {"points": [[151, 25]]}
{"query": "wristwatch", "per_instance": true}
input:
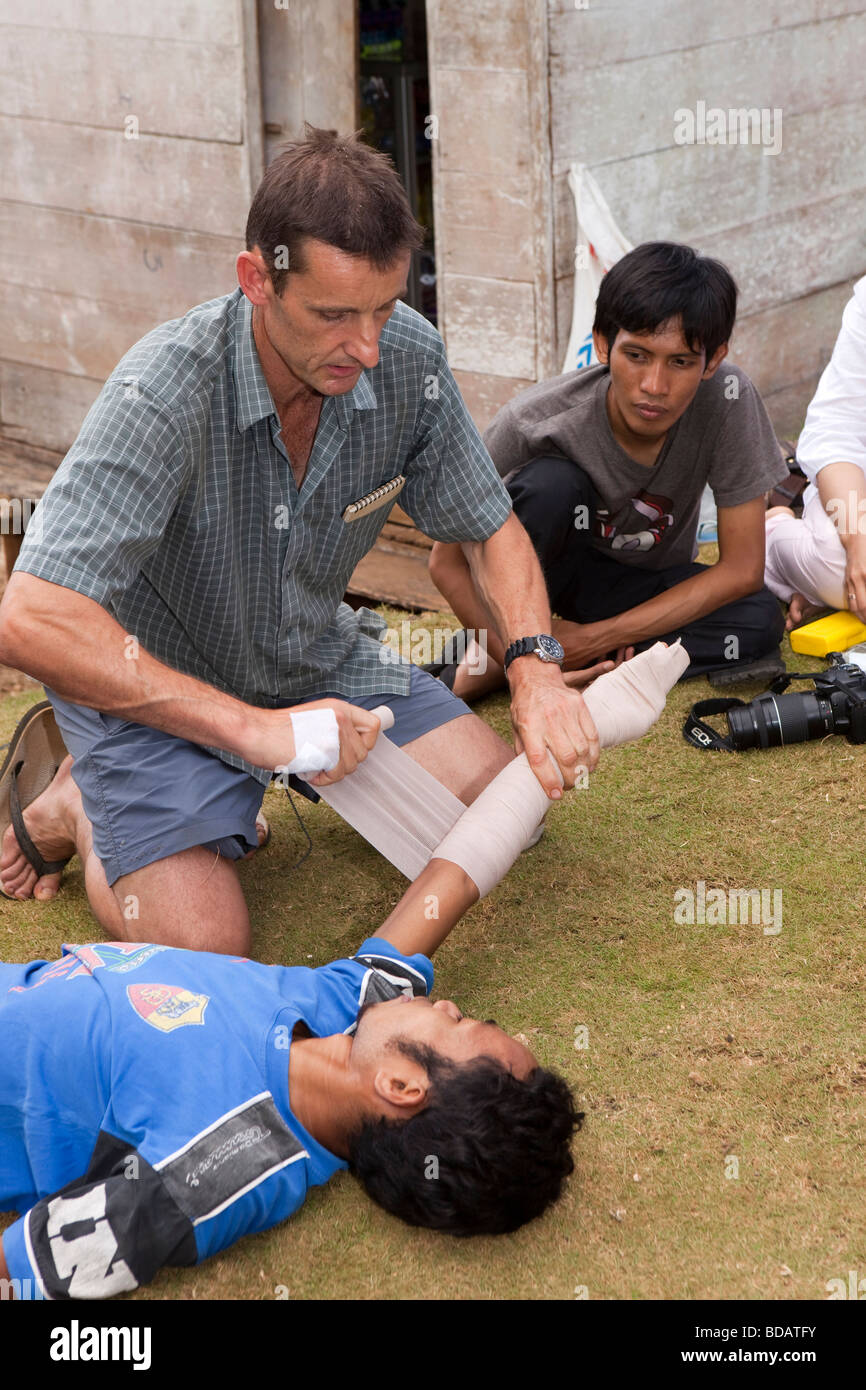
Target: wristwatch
{"points": [[545, 647]]}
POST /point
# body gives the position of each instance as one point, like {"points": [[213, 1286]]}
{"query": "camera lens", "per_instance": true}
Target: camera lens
{"points": [[771, 721]]}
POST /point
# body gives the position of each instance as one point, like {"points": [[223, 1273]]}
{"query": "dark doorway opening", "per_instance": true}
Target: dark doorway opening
{"points": [[395, 118]]}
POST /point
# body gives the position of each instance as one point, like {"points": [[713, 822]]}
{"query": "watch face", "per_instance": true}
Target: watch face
{"points": [[552, 651]]}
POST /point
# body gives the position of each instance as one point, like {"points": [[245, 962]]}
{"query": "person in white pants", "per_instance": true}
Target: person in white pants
{"points": [[820, 561]]}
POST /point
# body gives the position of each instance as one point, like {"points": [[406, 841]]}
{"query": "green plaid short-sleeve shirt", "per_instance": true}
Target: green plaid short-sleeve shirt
{"points": [[176, 508]]}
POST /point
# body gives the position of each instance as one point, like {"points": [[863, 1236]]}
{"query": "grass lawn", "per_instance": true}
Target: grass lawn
{"points": [[724, 1080]]}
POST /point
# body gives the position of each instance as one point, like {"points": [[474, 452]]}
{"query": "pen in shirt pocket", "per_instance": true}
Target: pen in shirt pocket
{"points": [[371, 501]]}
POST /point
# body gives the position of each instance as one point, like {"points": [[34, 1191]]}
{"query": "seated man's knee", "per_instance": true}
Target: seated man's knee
{"points": [[553, 478]]}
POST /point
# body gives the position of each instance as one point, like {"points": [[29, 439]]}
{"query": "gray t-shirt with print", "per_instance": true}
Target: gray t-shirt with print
{"points": [[647, 516]]}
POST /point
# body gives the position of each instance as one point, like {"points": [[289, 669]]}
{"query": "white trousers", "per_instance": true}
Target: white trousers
{"points": [[806, 557]]}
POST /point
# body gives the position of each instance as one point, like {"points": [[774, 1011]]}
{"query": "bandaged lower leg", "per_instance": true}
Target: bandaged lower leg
{"points": [[500, 823]]}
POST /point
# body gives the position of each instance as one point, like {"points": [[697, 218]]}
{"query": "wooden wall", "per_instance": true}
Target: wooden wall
{"points": [[791, 225], [104, 236], [309, 67], [492, 187]]}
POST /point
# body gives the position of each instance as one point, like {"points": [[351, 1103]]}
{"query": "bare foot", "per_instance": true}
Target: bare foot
{"points": [[800, 610], [49, 820], [262, 832], [470, 686]]}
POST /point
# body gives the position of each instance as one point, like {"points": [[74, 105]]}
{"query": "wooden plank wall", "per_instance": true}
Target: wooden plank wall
{"points": [[492, 188], [789, 225], [309, 66], [103, 236]]}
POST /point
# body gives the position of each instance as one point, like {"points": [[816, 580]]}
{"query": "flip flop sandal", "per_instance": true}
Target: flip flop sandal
{"points": [[764, 668], [35, 752], [447, 674], [446, 669]]}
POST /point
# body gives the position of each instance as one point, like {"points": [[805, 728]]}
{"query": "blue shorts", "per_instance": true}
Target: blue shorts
{"points": [[149, 795]]}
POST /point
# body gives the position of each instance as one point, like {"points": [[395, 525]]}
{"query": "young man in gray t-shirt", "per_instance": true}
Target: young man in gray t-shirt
{"points": [[606, 467]]}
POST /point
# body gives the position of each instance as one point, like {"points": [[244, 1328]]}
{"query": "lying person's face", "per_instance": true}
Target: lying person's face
{"points": [[654, 376], [440, 1026]]}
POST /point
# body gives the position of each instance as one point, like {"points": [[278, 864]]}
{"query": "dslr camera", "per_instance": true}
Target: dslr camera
{"points": [[836, 705]]}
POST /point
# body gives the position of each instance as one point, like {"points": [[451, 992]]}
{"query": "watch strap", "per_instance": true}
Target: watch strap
{"points": [[525, 646]]}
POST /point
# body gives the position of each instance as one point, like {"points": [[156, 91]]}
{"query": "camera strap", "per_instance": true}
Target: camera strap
{"points": [[703, 735]]}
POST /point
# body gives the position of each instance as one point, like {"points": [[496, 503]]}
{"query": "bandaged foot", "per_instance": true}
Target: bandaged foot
{"points": [[502, 821], [625, 703]]}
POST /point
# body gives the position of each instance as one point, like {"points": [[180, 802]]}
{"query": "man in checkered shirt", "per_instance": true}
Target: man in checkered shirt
{"points": [[182, 589]]}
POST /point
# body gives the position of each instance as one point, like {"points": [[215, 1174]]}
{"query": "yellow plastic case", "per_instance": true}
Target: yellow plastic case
{"points": [[831, 634]]}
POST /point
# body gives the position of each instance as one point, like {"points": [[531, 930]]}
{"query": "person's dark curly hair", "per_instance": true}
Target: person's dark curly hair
{"points": [[486, 1154]]}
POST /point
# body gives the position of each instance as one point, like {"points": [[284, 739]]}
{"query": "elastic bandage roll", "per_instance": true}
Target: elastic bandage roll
{"points": [[500, 823]]}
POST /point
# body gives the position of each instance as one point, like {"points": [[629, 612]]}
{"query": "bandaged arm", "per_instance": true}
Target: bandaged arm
{"points": [[500, 823]]}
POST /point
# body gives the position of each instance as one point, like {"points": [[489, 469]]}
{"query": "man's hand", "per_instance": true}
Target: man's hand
{"points": [[583, 642], [579, 680], [548, 718], [272, 742]]}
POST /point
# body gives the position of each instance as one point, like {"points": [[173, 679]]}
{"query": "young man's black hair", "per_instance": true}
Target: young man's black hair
{"points": [[660, 282], [487, 1154]]}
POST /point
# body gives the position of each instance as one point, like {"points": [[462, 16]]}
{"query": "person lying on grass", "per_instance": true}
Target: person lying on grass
{"points": [[158, 1104]]}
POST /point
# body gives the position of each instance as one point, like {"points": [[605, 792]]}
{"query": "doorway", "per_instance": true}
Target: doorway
{"points": [[394, 102]]}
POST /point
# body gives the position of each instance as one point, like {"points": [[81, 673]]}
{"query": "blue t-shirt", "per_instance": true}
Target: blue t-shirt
{"points": [[151, 1085]]}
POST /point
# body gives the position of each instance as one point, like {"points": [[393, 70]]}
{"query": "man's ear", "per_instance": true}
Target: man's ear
{"points": [[714, 362], [253, 276], [402, 1084], [602, 347]]}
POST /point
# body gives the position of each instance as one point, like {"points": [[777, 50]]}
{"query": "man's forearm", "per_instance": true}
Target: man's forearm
{"points": [[842, 489], [694, 598], [509, 580], [429, 909], [551, 723], [71, 644]]}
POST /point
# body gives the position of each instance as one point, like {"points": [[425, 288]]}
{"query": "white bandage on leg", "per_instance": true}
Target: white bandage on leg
{"points": [[317, 742], [410, 818], [502, 821], [398, 807]]}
